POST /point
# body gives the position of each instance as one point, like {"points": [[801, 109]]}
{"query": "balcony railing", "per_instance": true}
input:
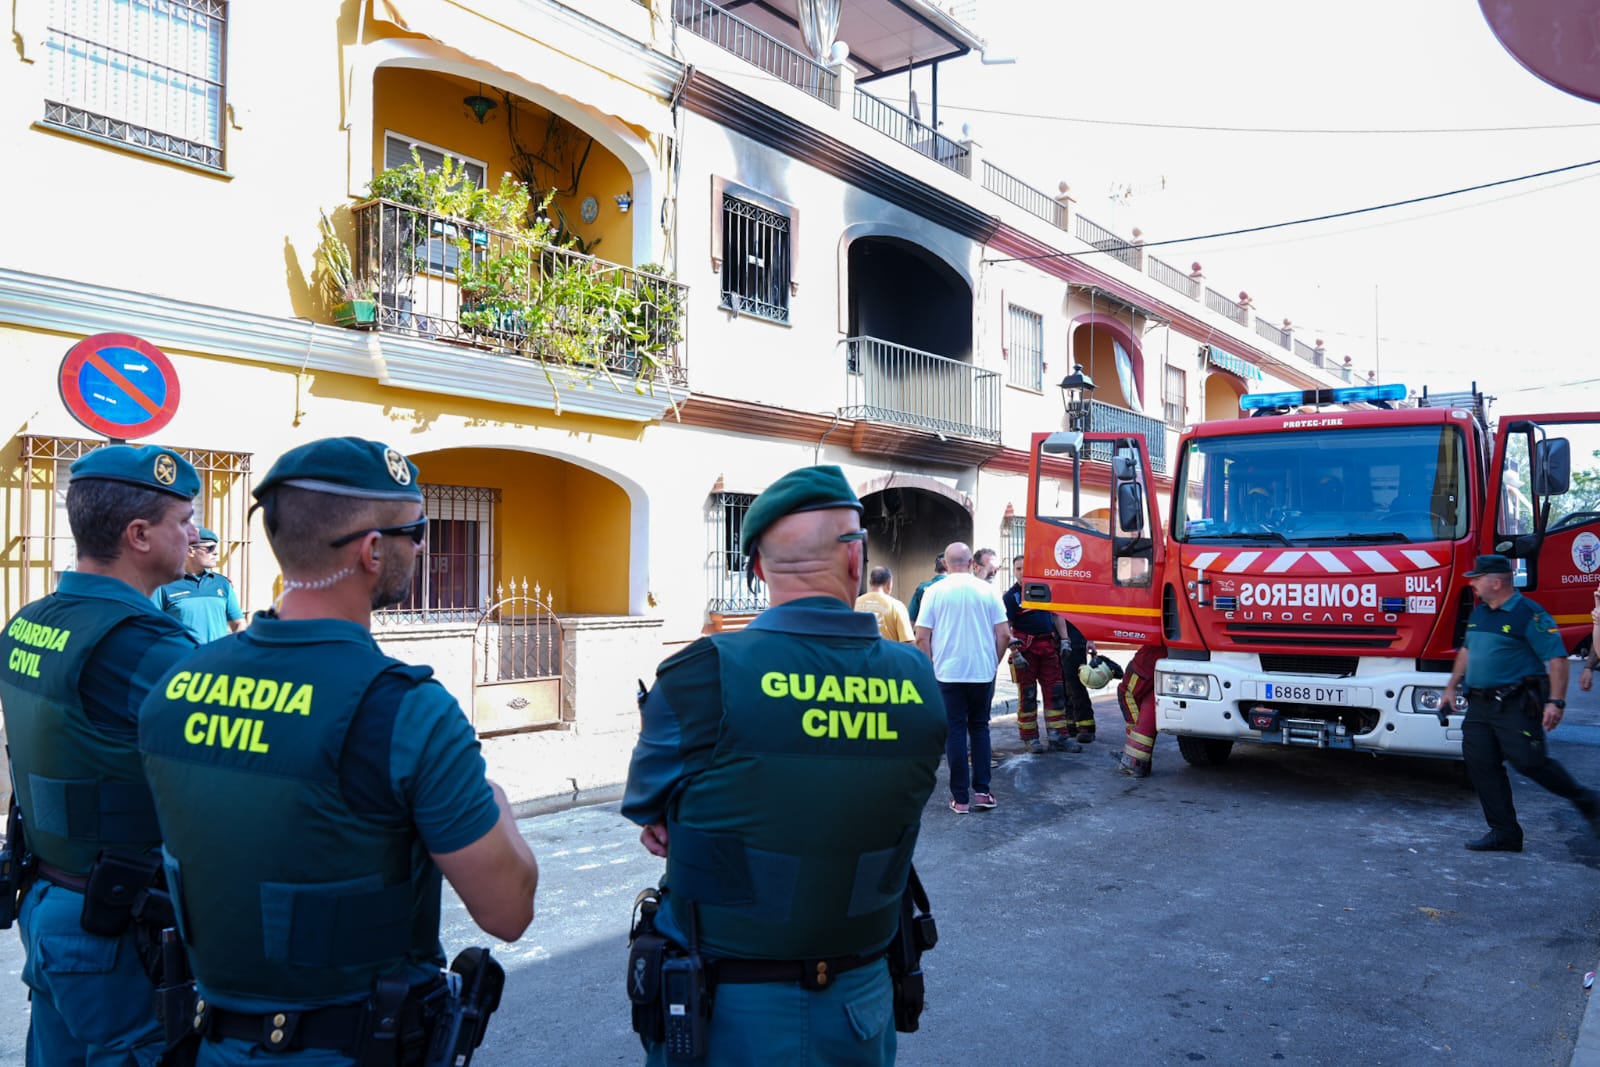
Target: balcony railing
{"points": [[758, 48], [1034, 201], [1225, 307], [1272, 333], [1308, 353], [1108, 418], [892, 383], [1097, 235], [912, 133], [446, 278], [1168, 275]]}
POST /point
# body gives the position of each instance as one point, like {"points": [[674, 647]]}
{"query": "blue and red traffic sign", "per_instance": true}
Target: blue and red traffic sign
{"points": [[119, 385]]}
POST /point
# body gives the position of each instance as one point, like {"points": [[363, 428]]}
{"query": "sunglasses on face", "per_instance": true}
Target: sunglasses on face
{"points": [[417, 531]]}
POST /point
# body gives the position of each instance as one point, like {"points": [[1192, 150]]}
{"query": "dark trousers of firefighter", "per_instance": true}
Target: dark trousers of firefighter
{"points": [[1040, 669], [1136, 697], [1491, 736], [1079, 702]]}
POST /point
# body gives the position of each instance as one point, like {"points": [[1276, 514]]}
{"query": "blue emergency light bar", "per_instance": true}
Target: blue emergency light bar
{"points": [[1355, 394]]}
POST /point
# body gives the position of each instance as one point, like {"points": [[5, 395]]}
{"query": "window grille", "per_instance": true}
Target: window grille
{"points": [[755, 259], [1025, 347], [1012, 536], [1174, 397], [38, 525], [728, 593], [440, 252], [455, 570], [145, 73]]}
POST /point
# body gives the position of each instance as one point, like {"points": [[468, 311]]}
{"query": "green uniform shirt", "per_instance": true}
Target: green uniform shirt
{"points": [[204, 603], [1509, 643]]}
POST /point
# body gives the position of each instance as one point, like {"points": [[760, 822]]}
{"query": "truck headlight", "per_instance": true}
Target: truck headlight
{"points": [[1426, 699], [1192, 686]]}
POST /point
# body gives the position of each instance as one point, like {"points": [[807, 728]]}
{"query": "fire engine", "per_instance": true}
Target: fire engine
{"points": [[1309, 585]]}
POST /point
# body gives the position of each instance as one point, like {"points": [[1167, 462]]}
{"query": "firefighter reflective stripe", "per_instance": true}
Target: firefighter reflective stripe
{"points": [[1318, 561]]}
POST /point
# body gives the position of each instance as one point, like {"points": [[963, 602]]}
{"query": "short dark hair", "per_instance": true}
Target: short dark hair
{"points": [[939, 566], [879, 576], [300, 523], [1017, 559], [99, 510], [982, 554]]}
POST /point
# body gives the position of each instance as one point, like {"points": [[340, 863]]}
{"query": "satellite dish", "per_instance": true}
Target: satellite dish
{"points": [[1556, 40]]}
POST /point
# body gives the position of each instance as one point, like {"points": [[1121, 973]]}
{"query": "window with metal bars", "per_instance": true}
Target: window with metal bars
{"points": [[440, 252], [755, 259], [1025, 347], [728, 592], [1012, 535], [1174, 396], [143, 73], [455, 570]]}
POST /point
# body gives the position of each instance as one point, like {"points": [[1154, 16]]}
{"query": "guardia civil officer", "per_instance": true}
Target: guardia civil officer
{"points": [[1515, 668], [79, 663], [782, 771], [312, 789]]}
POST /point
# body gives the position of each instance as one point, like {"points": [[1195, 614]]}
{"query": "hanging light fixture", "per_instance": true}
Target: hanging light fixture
{"points": [[479, 104]]}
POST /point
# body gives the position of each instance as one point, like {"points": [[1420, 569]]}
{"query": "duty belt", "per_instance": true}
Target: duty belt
{"points": [[56, 876], [813, 974], [337, 1027]]}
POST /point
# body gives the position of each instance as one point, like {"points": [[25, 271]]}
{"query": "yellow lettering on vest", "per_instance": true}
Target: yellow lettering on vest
{"points": [[283, 696], [195, 692], [814, 723], [194, 728], [240, 697], [24, 662], [772, 684], [878, 690], [884, 732], [266, 694], [301, 701], [219, 691], [175, 687], [232, 729], [829, 690], [855, 690], [802, 692], [211, 729], [908, 693], [256, 744], [852, 722]]}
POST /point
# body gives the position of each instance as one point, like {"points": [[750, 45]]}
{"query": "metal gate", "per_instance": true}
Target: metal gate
{"points": [[516, 662]]}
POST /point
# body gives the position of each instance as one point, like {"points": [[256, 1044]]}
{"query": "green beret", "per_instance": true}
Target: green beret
{"points": [[148, 466], [806, 489], [208, 535], [345, 466]]}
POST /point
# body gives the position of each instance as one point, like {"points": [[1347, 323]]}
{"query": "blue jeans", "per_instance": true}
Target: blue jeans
{"points": [[966, 711]]}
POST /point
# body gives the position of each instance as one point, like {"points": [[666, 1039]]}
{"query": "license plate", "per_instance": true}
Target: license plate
{"points": [[1310, 693]]}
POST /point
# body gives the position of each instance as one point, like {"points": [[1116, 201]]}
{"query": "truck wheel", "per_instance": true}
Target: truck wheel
{"points": [[1204, 751]]}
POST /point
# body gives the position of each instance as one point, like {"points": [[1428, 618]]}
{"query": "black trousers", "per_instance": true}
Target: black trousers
{"points": [[1491, 736]]}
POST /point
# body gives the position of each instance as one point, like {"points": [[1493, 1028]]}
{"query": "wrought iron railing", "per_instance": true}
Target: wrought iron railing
{"points": [[757, 47], [1225, 307], [443, 277], [1277, 336], [1307, 353], [1034, 201], [1168, 275], [907, 387], [1108, 418], [912, 132], [1097, 235], [729, 592]]}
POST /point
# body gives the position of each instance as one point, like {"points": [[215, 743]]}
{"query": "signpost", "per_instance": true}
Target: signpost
{"points": [[119, 386]]}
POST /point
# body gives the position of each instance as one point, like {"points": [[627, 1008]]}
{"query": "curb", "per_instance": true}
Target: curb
{"points": [[1587, 1051], [581, 798]]}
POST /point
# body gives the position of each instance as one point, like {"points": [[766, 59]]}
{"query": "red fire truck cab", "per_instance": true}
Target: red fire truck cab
{"points": [[1309, 583]]}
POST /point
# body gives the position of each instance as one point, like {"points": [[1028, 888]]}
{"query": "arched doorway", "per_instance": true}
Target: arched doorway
{"points": [[903, 294], [909, 521], [1222, 396], [1108, 353]]}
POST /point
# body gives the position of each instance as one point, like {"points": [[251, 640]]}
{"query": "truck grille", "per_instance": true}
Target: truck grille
{"points": [[1328, 666], [1277, 633]]}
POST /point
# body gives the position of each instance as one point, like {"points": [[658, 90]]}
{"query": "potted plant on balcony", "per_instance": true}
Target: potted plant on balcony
{"points": [[350, 297]]}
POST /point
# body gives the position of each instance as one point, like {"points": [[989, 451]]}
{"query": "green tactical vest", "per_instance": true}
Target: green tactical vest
{"points": [[282, 891], [79, 790], [796, 840]]}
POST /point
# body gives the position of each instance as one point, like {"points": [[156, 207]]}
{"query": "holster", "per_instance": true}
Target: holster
{"points": [[647, 949], [117, 882], [1526, 697], [917, 934], [16, 866]]}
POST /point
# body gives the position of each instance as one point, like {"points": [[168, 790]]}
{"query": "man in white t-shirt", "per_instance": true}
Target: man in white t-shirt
{"points": [[962, 627]]}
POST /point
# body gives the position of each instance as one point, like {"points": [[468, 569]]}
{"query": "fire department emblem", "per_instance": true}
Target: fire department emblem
{"points": [[1069, 550], [1586, 552], [397, 466], [166, 471]]}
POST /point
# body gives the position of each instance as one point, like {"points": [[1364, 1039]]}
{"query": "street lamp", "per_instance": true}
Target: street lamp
{"points": [[1074, 389]]}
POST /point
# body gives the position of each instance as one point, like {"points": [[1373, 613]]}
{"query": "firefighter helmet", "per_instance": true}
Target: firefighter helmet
{"points": [[1098, 673]]}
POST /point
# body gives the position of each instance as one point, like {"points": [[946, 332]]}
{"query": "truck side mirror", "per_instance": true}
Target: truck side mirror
{"points": [[1122, 466], [1552, 467], [1130, 508]]}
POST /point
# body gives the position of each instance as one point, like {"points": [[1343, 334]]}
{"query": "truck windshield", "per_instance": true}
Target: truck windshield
{"points": [[1351, 485]]}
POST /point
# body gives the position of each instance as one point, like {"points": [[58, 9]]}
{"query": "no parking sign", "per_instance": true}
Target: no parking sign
{"points": [[119, 385]]}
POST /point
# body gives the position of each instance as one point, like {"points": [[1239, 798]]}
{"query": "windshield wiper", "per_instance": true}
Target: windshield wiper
{"points": [[1258, 535], [1382, 537]]}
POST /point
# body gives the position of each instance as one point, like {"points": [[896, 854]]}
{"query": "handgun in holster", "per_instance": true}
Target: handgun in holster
{"points": [[476, 981], [916, 934], [667, 988], [16, 866]]}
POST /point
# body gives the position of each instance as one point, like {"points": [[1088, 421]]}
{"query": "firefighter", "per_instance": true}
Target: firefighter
{"points": [[1040, 646], [1136, 697]]}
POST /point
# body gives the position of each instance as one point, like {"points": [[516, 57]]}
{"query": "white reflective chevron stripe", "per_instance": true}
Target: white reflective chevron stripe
{"points": [[1376, 561], [1204, 560], [1241, 561], [1330, 562], [1284, 562], [1420, 558]]}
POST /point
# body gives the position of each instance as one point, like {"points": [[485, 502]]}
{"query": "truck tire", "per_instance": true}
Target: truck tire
{"points": [[1204, 751]]}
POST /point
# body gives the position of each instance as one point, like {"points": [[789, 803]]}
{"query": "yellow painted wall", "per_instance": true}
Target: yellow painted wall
{"points": [[1222, 397], [1093, 349]]}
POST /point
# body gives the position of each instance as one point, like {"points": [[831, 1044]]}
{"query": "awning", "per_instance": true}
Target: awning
{"points": [[1232, 364], [885, 36], [491, 32]]}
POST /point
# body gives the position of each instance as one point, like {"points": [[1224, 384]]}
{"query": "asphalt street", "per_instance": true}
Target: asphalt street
{"points": [[1291, 907]]}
